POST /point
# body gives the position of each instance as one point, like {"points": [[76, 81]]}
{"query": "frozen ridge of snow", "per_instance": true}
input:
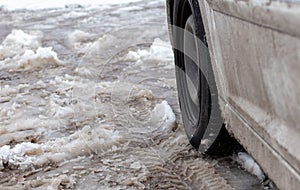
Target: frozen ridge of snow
{"points": [[39, 4], [248, 163]]}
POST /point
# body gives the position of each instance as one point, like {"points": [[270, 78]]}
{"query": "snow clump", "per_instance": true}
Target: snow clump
{"points": [[159, 50], [23, 51], [247, 162], [17, 42]]}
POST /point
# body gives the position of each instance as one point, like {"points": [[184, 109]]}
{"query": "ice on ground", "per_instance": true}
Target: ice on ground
{"points": [[248, 163], [23, 51], [125, 9], [159, 50], [39, 4], [72, 15]]}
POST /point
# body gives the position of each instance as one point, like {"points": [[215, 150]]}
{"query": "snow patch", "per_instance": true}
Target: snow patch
{"points": [[248, 163]]}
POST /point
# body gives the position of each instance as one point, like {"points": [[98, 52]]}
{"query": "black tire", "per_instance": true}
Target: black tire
{"points": [[196, 85]]}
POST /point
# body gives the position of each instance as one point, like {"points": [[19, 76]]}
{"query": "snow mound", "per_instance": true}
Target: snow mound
{"points": [[247, 162], [23, 51]]}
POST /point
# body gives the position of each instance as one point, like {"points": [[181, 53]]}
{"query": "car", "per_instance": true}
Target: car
{"points": [[238, 64]]}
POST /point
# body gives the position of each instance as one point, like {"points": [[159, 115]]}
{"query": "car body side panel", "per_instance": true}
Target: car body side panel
{"points": [[280, 15], [256, 61]]}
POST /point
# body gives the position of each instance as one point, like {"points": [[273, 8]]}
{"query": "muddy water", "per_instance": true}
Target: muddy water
{"points": [[97, 111]]}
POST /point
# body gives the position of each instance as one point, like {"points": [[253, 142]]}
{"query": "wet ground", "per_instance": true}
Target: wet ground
{"points": [[99, 110]]}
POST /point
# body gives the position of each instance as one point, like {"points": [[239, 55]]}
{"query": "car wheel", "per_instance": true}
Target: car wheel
{"points": [[195, 80]]}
